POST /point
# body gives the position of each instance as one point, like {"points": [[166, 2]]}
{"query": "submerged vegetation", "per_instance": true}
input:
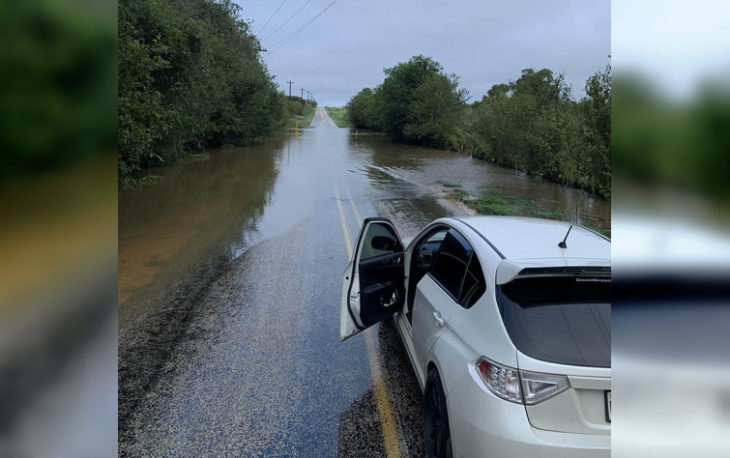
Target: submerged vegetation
{"points": [[531, 124], [496, 202]]}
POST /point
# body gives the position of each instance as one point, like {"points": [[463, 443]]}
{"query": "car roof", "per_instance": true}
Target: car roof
{"points": [[522, 238]]}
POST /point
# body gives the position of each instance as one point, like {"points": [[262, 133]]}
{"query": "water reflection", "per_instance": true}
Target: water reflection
{"points": [[197, 210]]}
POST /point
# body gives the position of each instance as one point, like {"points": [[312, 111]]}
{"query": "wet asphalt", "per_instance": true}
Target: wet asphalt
{"points": [[244, 358]]}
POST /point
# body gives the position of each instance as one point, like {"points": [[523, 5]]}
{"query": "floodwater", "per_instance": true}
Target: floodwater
{"points": [[208, 209], [430, 167], [230, 277]]}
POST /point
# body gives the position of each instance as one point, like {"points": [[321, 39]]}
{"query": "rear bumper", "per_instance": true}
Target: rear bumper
{"points": [[484, 425]]}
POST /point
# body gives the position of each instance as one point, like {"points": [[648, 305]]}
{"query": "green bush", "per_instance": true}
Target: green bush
{"points": [[362, 111], [190, 76], [57, 84], [435, 112], [531, 124]]}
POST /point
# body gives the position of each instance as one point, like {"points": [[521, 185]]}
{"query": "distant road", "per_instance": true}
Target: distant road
{"points": [[258, 369]]}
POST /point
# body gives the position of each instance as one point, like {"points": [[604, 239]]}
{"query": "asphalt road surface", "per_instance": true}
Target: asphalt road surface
{"points": [[248, 362], [229, 290]]}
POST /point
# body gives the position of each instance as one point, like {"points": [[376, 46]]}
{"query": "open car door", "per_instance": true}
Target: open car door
{"points": [[373, 288]]}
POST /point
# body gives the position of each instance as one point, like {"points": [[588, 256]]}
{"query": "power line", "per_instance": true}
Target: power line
{"points": [[291, 35], [284, 41], [272, 16], [287, 21]]}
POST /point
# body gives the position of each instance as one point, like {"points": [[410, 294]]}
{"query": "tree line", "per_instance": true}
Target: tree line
{"points": [[531, 124], [191, 76], [57, 86]]}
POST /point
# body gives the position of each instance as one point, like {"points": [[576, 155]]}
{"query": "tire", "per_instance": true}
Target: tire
{"points": [[437, 436]]}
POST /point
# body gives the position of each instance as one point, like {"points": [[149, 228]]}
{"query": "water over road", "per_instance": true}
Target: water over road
{"points": [[229, 288]]}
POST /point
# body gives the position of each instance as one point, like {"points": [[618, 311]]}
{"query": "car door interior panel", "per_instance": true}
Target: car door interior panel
{"points": [[381, 287], [374, 283]]}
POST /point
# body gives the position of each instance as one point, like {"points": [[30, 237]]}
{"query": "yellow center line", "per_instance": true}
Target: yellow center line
{"points": [[345, 231], [382, 401], [352, 203], [380, 389]]}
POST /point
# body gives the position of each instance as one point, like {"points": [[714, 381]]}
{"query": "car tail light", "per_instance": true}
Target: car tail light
{"points": [[501, 380], [522, 387], [537, 387]]}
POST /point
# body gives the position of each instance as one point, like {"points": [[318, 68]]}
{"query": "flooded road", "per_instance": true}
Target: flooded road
{"points": [[229, 288]]}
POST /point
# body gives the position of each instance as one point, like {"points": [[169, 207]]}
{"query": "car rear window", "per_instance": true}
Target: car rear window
{"points": [[565, 320]]}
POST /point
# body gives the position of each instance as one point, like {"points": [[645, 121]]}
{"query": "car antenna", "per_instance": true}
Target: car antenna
{"points": [[562, 244]]}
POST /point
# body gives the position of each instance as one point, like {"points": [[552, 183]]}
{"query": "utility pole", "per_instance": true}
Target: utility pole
{"points": [[302, 89], [290, 83]]}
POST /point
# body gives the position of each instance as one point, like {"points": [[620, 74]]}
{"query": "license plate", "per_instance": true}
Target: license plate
{"points": [[608, 406]]}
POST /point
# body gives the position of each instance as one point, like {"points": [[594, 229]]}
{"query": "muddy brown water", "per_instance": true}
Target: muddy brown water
{"points": [[202, 210], [230, 276]]}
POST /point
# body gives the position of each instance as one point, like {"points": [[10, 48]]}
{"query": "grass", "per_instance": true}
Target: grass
{"points": [[301, 121], [447, 184], [498, 203], [494, 204], [196, 157], [339, 116], [136, 183], [149, 179]]}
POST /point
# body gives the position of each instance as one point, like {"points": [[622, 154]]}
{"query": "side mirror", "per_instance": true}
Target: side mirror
{"points": [[383, 243]]}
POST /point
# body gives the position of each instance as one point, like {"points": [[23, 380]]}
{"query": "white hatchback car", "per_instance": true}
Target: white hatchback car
{"points": [[506, 322]]}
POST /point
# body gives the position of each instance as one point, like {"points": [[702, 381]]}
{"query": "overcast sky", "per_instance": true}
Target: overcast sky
{"points": [[484, 41], [678, 44]]}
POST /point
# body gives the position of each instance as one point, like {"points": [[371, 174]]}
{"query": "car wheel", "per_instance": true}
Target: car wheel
{"points": [[436, 419]]}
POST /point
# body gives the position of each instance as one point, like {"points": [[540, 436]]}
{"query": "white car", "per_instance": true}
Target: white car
{"points": [[506, 322]]}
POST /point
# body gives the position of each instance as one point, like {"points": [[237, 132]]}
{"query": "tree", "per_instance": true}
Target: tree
{"points": [[397, 91], [362, 111], [531, 124], [190, 76], [435, 111], [596, 115]]}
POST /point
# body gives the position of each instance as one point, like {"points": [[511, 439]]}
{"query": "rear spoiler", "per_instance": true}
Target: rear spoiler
{"points": [[574, 267]]}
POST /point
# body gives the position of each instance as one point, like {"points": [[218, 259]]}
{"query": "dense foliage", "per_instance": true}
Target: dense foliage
{"points": [[190, 75], [662, 141], [417, 103], [298, 112], [57, 85], [362, 111], [531, 124]]}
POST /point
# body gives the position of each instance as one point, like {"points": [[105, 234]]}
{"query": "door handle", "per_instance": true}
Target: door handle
{"points": [[437, 318]]}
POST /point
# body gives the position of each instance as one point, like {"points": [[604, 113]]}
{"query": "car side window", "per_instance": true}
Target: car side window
{"points": [[451, 262], [379, 240], [474, 285], [426, 251]]}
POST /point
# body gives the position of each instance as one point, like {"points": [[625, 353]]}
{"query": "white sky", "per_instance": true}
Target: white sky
{"points": [[484, 41], [676, 43]]}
